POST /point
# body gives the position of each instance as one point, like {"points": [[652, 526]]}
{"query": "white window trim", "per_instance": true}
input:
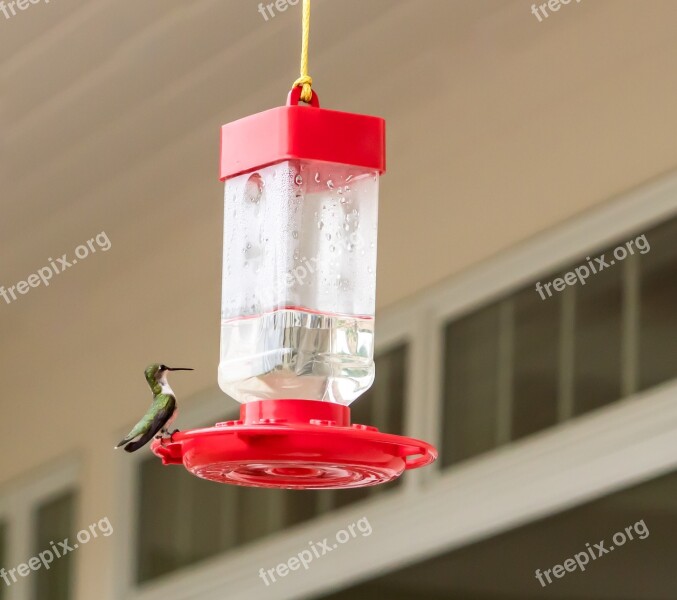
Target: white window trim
{"points": [[436, 511], [18, 502]]}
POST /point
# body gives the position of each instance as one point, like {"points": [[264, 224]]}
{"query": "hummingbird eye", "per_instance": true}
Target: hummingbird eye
{"points": [[163, 368]]}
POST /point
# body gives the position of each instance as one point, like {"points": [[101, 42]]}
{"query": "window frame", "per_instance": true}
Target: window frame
{"points": [[436, 510]]}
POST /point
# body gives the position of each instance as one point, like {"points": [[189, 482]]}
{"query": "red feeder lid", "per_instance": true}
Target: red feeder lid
{"points": [[302, 133], [294, 444]]}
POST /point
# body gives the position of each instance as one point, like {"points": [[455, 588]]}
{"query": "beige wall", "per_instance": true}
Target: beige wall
{"points": [[499, 127]]}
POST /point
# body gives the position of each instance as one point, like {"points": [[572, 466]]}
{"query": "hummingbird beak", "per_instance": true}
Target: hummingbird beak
{"points": [[179, 369]]}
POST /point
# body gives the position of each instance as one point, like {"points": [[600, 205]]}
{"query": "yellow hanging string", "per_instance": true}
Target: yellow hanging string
{"points": [[306, 81]]}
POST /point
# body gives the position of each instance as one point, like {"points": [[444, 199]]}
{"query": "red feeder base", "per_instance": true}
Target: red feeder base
{"points": [[294, 444]]}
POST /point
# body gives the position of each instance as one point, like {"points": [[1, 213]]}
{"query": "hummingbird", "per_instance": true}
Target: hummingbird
{"points": [[161, 413]]}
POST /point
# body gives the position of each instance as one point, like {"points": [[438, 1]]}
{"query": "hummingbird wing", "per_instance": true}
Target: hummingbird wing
{"points": [[159, 413]]}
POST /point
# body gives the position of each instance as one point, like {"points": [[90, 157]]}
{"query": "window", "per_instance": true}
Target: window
{"points": [[526, 362], [207, 518], [597, 341], [658, 307], [471, 385], [54, 522]]}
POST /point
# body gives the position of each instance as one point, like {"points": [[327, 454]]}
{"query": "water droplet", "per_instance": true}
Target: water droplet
{"points": [[317, 177], [328, 236], [320, 225], [330, 184], [248, 246], [340, 191], [298, 179], [346, 227], [347, 188], [351, 247], [331, 248], [297, 254], [295, 234], [348, 179], [343, 200]]}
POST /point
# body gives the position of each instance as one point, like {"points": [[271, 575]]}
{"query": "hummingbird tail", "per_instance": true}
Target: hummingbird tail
{"points": [[141, 442]]}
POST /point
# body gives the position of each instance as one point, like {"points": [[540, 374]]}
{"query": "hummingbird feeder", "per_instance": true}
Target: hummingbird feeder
{"points": [[297, 316]]}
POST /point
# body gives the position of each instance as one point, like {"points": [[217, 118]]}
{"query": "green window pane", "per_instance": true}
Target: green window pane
{"points": [[54, 522], [598, 339], [658, 307], [470, 385], [535, 362]]}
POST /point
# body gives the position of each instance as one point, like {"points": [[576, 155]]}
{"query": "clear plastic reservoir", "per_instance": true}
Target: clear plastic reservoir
{"points": [[299, 283]]}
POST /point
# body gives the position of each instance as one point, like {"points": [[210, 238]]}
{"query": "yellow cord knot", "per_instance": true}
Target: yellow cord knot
{"points": [[305, 81]]}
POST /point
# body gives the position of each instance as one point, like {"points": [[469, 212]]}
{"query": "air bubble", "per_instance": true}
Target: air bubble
{"points": [[317, 177], [330, 184], [320, 224], [298, 179], [328, 236], [253, 189], [295, 234]]}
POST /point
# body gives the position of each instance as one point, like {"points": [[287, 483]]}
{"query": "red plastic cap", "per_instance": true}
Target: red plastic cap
{"points": [[296, 132]]}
